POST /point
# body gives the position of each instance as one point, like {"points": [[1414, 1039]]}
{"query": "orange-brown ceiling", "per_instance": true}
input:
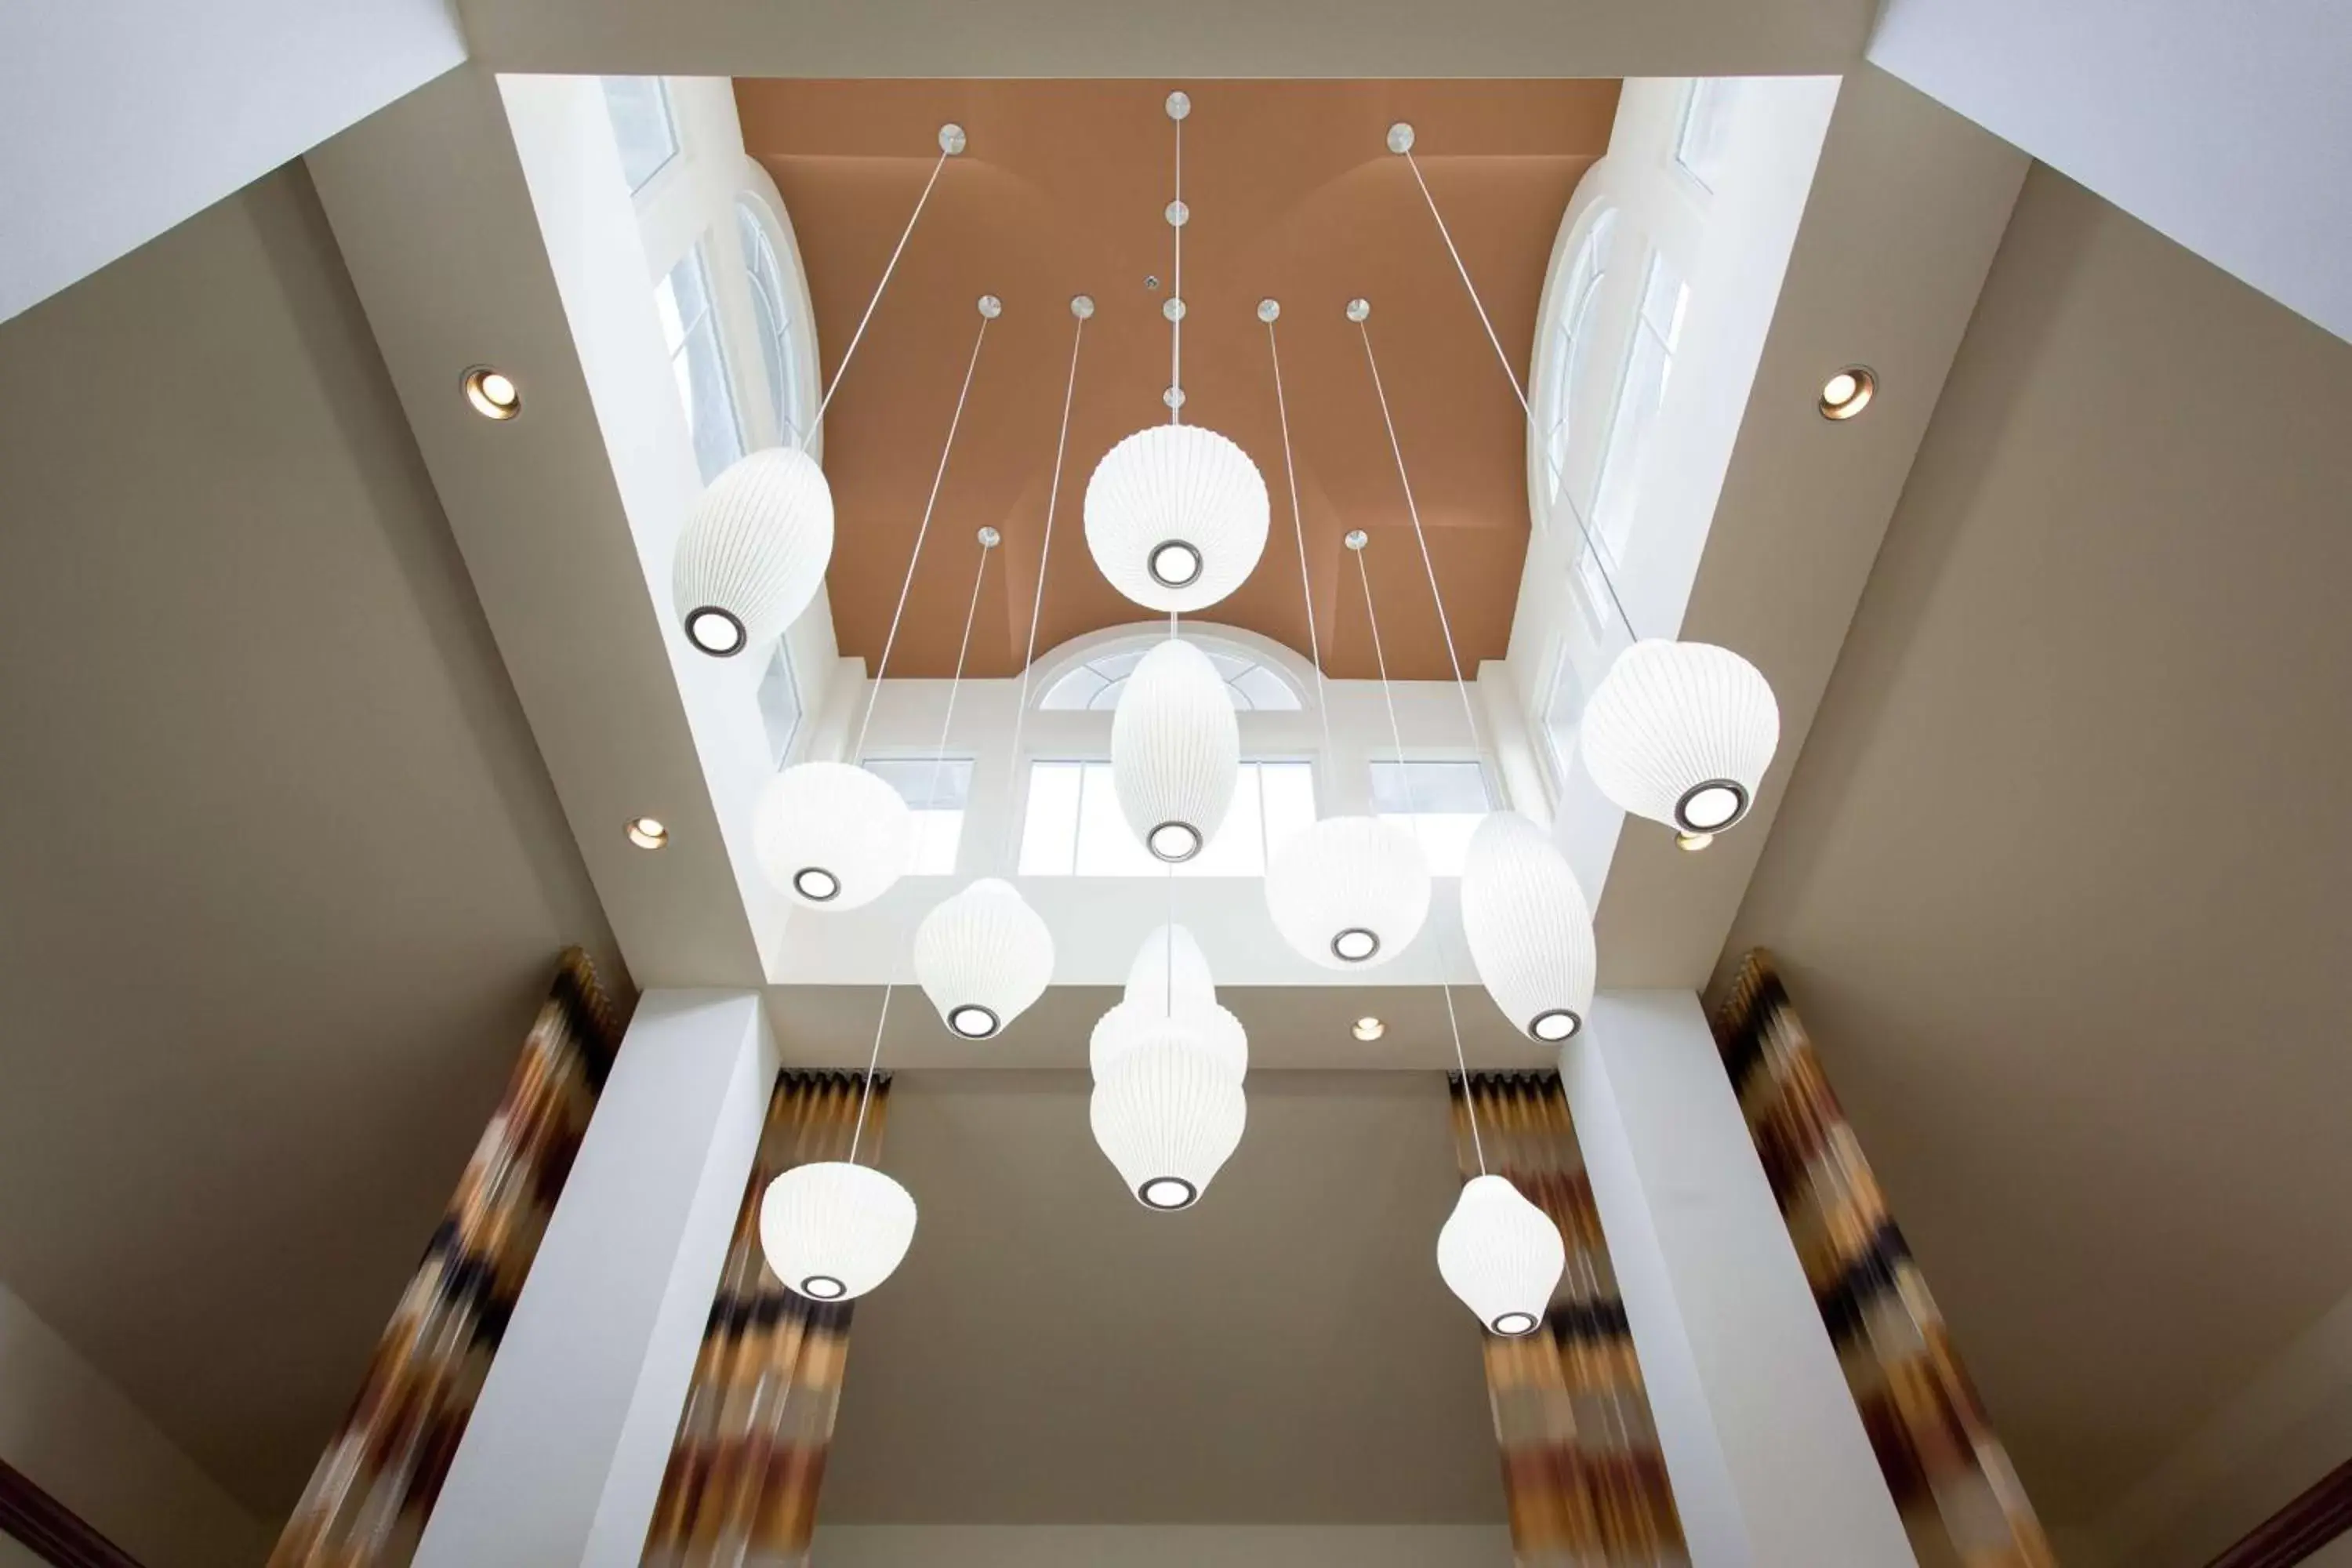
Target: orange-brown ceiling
{"points": [[1293, 194]]}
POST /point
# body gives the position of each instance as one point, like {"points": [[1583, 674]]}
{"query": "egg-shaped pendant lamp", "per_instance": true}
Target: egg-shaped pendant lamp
{"points": [[1680, 733], [983, 956], [831, 836], [1350, 892], [1529, 927], [832, 1230], [1175, 750], [1176, 517], [753, 552], [1502, 1256]]}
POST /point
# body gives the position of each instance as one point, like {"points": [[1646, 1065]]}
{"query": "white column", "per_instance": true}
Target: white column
{"points": [[562, 1460], [1762, 1440]]}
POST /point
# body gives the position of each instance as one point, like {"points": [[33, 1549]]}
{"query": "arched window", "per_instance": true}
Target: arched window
{"points": [[1571, 349], [1255, 686], [773, 298]]}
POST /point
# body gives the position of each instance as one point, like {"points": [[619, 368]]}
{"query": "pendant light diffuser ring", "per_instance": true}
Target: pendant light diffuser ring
{"points": [[753, 552], [1170, 497]]}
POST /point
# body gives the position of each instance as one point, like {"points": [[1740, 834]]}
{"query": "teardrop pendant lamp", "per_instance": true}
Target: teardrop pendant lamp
{"points": [[1348, 892], [1686, 730], [1176, 515], [1502, 1256], [753, 549], [831, 836], [833, 1229], [1168, 1115], [1169, 972], [1170, 978], [1175, 750]]}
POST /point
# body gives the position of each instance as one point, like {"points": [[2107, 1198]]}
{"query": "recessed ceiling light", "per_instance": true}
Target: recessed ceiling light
{"points": [[1848, 392], [648, 832], [1370, 1030], [493, 392]]}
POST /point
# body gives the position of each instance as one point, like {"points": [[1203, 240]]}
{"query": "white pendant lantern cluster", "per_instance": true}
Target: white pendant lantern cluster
{"points": [[832, 1230], [1175, 750], [1168, 1107], [1528, 927], [983, 956], [1501, 1254], [1680, 733]]}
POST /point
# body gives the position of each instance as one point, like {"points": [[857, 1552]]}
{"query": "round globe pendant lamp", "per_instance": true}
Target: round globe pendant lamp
{"points": [[1501, 1254], [1680, 733], [1529, 927], [831, 836], [753, 552], [1168, 1116], [832, 1230], [1176, 517], [1214, 1031], [1350, 892], [1175, 750], [983, 957]]}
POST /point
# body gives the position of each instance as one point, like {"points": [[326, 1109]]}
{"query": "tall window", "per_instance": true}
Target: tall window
{"points": [[780, 704], [1442, 801], [683, 300], [1563, 712], [642, 124], [1074, 826], [1640, 394], [937, 789], [1572, 343], [772, 303], [1704, 143]]}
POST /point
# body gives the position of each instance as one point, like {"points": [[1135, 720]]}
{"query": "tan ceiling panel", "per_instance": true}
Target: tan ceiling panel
{"points": [[1293, 194]]}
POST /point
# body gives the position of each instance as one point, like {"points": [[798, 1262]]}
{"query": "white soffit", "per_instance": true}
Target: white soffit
{"points": [[430, 202], [1908, 204], [1405, 38]]}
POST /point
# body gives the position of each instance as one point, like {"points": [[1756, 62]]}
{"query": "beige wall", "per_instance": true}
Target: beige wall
{"points": [[1163, 1546], [74, 1433]]}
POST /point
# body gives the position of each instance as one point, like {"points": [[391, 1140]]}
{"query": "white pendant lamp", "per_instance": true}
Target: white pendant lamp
{"points": [[1171, 973], [1168, 1116], [1680, 733], [753, 552], [831, 836], [1176, 517], [833, 1230], [1502, 1255], [983, 956], [1529, 927], [1350, 892], [1175, 750], [1127, 1026]]}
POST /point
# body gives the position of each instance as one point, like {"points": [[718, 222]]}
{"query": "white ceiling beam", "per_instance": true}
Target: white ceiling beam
{"points": [[124, 118]]}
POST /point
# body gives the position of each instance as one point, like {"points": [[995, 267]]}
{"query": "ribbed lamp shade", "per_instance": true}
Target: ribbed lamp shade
{"points": [[1214, 1031], [983, 956], [1175, 750], [753, 551], [832, 1231], [1680, 733], [1176, 517], [1502, 1255], [1350, 892], [1170, 959], [1168, 1116], [1528, 927], [831, 837]]}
